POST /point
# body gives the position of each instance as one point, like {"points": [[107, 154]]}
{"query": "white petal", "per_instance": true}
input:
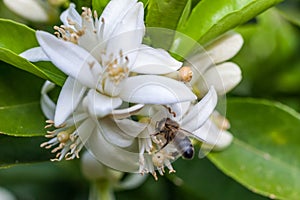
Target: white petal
{"points": [[224, 141], [113, 13], [154, 61], [115, 133], [126, 112], [71, 59], [199, 62], [215, 139], [70, 14], [130, 127], [111, 155], [225, 47], [47, 105], [199, 113], [151, 89], [86, 129], [180, 109], [100, 105], [128, 34], [223, 77], [111, 88], [35, 54], [68, 100]]}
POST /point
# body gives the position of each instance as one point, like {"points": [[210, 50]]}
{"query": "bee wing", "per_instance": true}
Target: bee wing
{"points": [[205, 149], [189, 134]]}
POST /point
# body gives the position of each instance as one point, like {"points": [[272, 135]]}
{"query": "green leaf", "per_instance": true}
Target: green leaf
{"points": [[20, 111], [209, 19], [290, 13], [163, 14], [265, 153], [20, 150], [22, 120], [200, 179], [17, 38], [99, 5]]}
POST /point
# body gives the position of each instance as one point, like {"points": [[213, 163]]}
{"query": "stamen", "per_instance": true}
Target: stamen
{"points": [[102, 27], [154, 175], [162, 159], [170, 110], [69, 144]]}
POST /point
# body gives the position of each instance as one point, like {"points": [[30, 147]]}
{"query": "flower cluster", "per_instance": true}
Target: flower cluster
{"points": [[133, 107]]}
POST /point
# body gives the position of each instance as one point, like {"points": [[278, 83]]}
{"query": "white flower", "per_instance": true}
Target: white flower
{"points": [[210, 69], [124, 144], [101, 53], [116, 91]]}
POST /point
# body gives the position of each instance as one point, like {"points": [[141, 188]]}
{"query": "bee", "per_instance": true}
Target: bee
{"points": [[172, 132]]}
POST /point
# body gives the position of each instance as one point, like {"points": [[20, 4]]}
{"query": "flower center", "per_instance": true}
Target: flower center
{"points": [[117, 69]]}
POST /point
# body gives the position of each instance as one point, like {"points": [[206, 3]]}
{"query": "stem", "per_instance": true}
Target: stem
{"points": [[101, 190]]}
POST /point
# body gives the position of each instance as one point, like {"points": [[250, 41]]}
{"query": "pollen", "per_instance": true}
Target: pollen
{"points": [[74, 31], [117, 69], [67, 33], [117, 73]]}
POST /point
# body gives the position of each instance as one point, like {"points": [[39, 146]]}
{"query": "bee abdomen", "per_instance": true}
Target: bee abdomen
{"points": [[185, 148]]}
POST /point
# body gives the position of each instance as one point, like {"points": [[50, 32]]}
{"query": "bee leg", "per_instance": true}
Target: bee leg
{"points": [[167, 142]]}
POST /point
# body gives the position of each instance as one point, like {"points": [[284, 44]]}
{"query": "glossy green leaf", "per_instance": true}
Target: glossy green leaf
{"points": [[200, 179], [265, 153], [163, 14], [20, 150], [22, 120], [20, 111], [17, 38], [209, 19]]}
